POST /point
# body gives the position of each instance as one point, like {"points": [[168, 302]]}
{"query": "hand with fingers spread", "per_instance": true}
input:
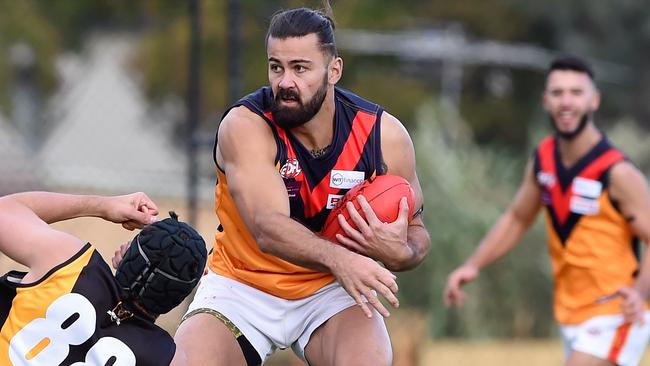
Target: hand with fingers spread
{"points": [[385, 242], [632, 306], [362, 278], [453, 295], [133, 210]]}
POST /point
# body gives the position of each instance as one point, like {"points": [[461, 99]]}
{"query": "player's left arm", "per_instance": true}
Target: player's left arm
{"points": [[404, 243], [399, 157], [629, 188], [26, 237]]}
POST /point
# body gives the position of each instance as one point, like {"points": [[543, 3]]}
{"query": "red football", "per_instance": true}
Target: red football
{"points": [[383, 193]]}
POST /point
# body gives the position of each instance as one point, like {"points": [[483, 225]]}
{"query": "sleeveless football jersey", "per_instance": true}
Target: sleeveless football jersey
{"points": [[62, 319], [593, 251], [313, 186]]}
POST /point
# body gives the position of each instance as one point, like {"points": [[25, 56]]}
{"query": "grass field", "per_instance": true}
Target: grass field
{"points": [[412, 346], [465, 353], [530, 352]]}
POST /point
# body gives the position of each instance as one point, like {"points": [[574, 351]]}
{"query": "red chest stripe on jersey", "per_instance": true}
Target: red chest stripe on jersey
{"points": [[561, 198], [362, 126], [315, 199], [547, 162], [291, 154], [269, 116]]}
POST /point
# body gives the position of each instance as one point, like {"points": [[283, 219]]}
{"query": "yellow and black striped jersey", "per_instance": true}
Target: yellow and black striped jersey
{"points": [[62, 319]]}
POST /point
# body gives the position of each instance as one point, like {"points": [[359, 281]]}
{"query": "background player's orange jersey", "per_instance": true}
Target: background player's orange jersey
{"points": [[593, 251]]}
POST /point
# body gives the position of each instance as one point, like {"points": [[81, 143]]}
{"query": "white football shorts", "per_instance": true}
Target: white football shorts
{"points": [[269, 322], [608, 338]]}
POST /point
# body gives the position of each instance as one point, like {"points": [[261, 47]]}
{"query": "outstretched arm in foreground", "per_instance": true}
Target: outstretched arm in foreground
{"points": [[501, 238], [28, 239]]}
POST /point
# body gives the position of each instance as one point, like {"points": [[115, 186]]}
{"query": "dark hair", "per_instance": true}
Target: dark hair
{"points": [[301, 22], [571, 63]]}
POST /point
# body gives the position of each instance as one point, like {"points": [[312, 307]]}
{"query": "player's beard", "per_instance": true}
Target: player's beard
{"points": [[292, 117], [570, 135]]}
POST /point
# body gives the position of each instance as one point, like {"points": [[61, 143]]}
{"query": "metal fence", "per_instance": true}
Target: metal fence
{"points": [[99, 133]]}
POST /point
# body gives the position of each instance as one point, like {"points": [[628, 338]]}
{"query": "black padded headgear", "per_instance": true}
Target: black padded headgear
{"points": [[163, 264]]}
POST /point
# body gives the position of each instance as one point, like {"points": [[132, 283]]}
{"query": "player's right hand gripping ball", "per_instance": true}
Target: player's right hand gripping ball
{"points": [[383, 193]]}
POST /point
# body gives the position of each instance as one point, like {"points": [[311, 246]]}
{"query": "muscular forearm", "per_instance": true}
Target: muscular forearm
{"points": [[279, 235], [417, 247], [53, 207]]}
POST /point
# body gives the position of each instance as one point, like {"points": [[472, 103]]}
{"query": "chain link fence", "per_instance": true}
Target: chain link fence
{"points": [[100, 134]]}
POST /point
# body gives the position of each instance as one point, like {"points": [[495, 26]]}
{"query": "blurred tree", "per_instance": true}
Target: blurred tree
{"points": [[613, 31], [600, 31], [51, 27], [467, 187], [23, 23], [360, 75]]}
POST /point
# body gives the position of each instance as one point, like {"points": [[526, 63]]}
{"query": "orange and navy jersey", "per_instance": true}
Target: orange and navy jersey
{"points": [[593, 250], [62, 319], [314, 185]]}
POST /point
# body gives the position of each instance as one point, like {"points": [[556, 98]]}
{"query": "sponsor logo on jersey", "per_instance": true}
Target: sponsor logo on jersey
{"points": [[293, 188], [346, 179], [587, 187], [584, 206], [546, 179], [333, 200], [290, 169]]}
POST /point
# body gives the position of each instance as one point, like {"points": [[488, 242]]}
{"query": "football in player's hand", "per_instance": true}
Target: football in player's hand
{"points": [[383, 193]]}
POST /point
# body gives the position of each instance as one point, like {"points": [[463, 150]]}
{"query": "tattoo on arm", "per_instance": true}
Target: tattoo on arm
{"points": [[630, 218]]}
